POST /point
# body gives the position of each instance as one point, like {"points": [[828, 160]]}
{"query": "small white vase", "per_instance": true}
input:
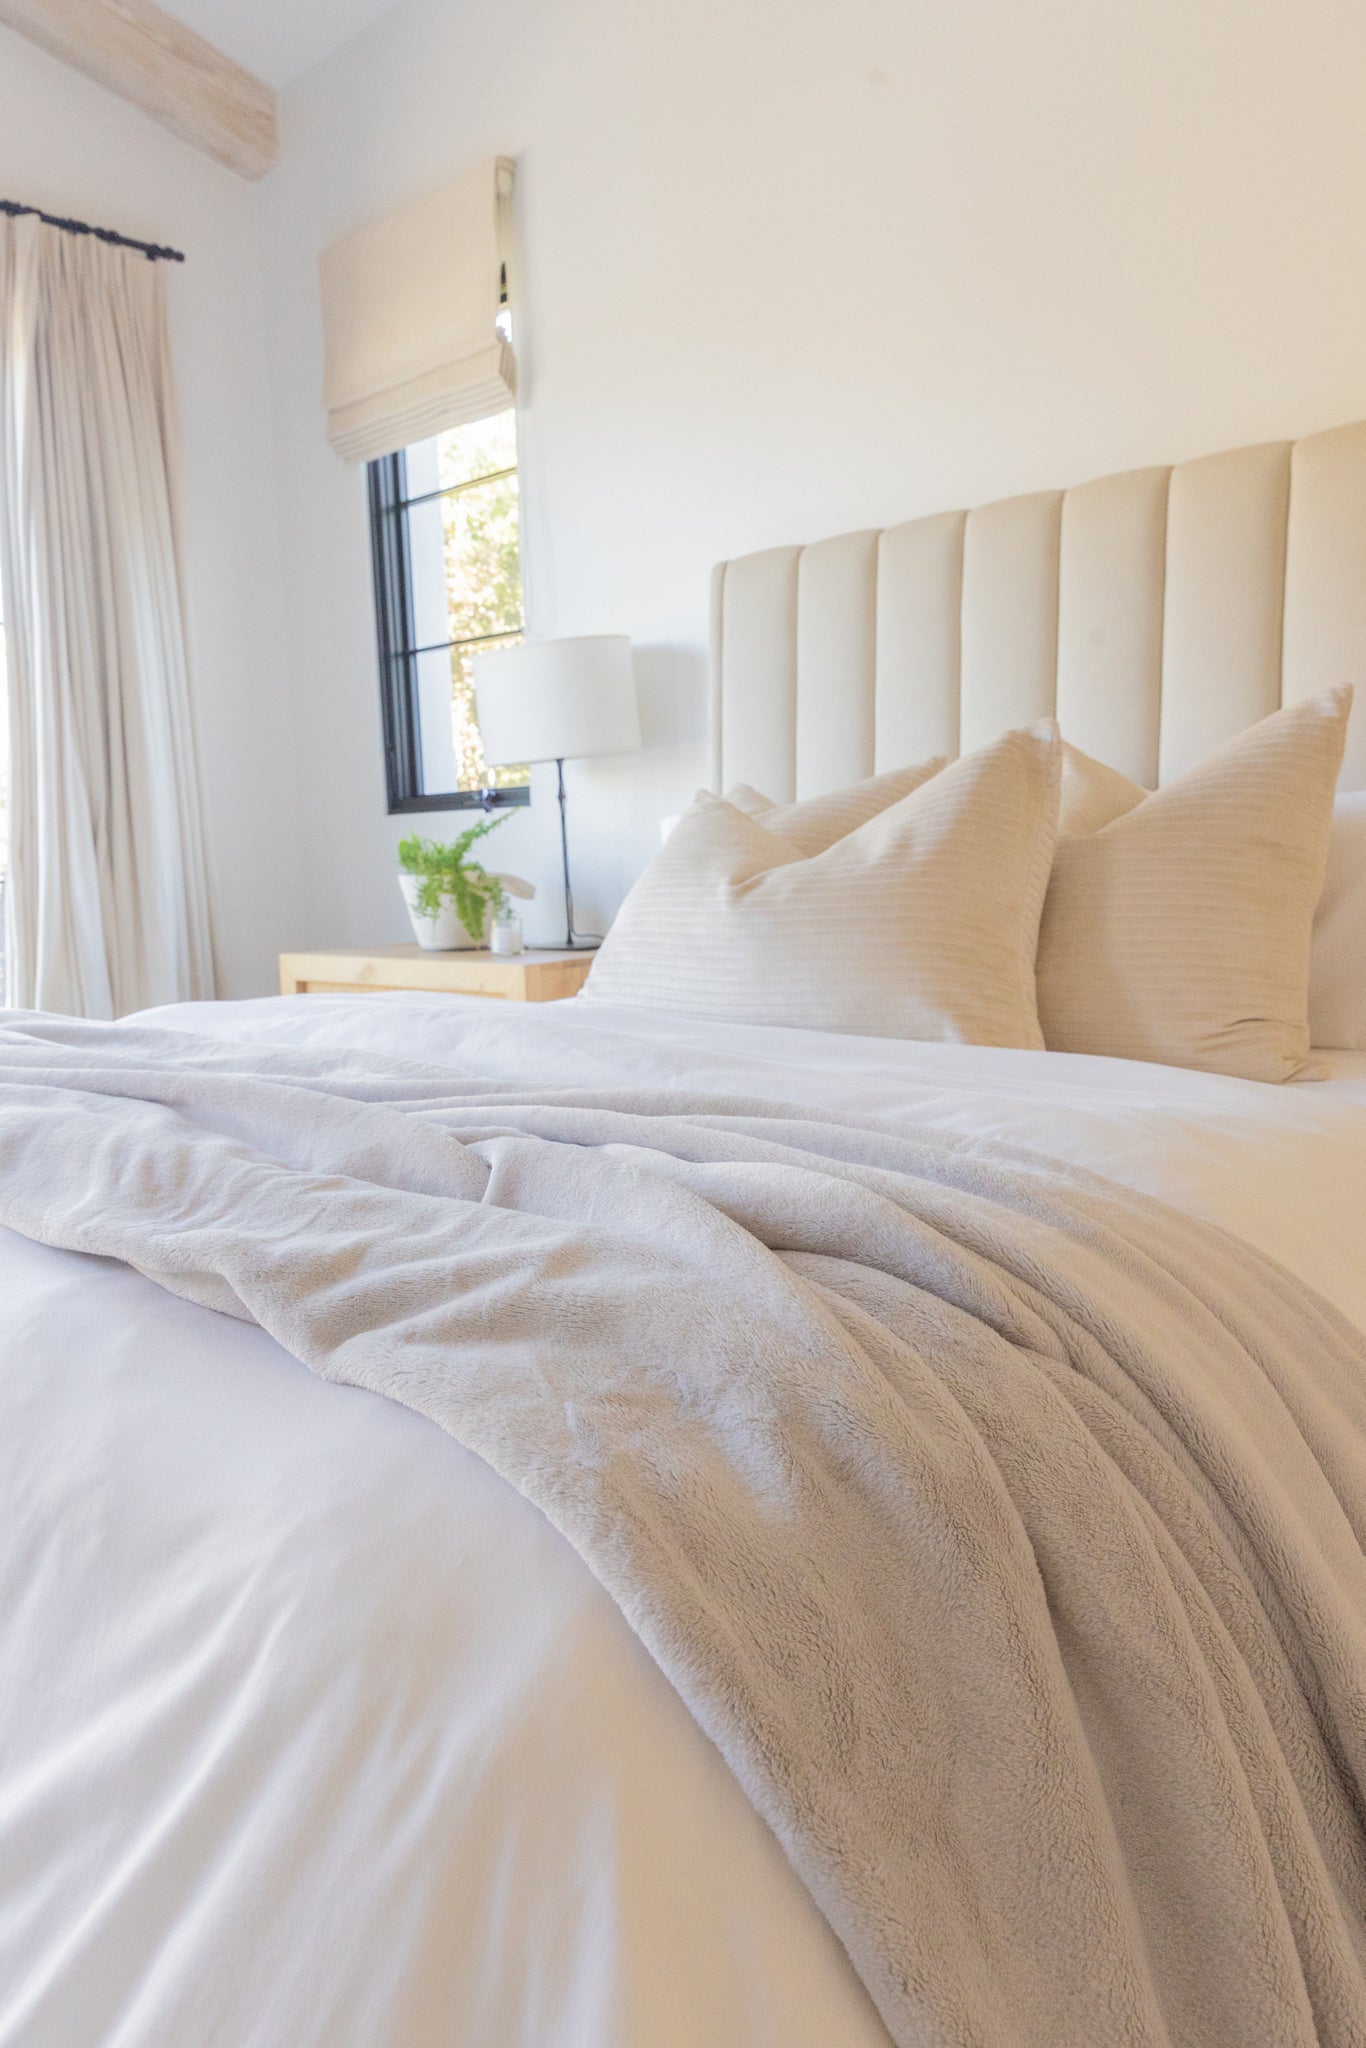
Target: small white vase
{"points": [[443, 933], [505, 933]]}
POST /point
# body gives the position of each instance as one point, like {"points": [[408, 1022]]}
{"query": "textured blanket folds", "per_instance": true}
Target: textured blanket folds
{"points": [[1003, 1529]]}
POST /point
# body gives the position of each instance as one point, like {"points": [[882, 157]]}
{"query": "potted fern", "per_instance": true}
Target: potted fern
{"points": [[452, 899]]}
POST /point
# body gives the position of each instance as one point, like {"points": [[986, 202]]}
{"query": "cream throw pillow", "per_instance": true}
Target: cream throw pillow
{"points": [[1092, 795], [1337, 958], [920, 923], [818, 821], [1179, 931]]}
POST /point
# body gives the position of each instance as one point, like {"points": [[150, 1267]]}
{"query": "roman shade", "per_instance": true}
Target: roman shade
{"points": [[411, 308]]}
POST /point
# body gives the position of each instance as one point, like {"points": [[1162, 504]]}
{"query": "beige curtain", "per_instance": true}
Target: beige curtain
{"points": [[107, 903]]}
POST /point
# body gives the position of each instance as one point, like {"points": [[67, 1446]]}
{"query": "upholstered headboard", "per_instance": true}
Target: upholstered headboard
{"points": [[1155, 614]]}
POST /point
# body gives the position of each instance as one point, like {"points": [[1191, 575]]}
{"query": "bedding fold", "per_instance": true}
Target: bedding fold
{"points": [[1004, 1529]]}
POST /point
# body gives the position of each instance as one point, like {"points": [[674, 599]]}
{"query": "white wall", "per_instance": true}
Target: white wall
{"points": [[790, 266], [70, 148], [793, 266]]}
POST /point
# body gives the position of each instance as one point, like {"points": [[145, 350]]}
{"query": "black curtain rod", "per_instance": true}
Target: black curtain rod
{"points": [[151, 250]]}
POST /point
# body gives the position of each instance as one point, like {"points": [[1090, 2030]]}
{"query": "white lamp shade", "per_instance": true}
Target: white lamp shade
{"points": [[557, 700]]}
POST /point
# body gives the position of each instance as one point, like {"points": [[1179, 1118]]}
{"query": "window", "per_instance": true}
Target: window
{"points": [[448, 583]]}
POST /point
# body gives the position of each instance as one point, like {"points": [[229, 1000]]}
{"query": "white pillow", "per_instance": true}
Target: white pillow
{"points": [[1337, 959], [921, 922]]}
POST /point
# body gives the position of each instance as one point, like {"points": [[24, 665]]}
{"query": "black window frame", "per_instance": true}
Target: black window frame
{"points": [[397, 634]]}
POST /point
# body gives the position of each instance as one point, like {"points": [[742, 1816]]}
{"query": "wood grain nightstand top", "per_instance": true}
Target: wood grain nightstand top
{"points": [[519, 978]]}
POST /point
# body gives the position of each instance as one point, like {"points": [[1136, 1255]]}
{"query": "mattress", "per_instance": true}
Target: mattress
{"points": [[313, 1731]]}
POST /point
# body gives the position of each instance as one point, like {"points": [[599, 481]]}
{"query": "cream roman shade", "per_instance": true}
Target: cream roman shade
{"points": [[410, 312]]}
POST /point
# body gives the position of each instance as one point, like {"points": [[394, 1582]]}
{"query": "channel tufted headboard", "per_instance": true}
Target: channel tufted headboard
{"points": [[1155, 614]]}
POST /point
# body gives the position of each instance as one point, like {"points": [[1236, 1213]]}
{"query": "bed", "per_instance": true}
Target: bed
{"points": [[315, 1728]]}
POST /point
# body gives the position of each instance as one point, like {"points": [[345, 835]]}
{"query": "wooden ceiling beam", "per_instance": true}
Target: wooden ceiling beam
{"points": [[136, 49]]}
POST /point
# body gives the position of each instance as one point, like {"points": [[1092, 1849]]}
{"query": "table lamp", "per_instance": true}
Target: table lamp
{"points": [[558, 700]]}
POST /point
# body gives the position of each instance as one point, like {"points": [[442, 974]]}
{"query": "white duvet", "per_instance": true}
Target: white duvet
{"points": [[313, 1733]]}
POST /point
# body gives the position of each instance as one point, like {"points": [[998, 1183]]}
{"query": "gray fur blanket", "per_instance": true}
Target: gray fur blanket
{"points": [[1004, 1530]]}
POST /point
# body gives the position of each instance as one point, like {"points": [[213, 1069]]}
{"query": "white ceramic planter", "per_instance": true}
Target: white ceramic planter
{"points": [[443, 933]]}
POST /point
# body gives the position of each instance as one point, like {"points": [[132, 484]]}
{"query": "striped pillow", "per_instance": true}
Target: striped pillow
{"points": [[818, 821], [1093, 795], [921, 922], [1337, 958], [1179, 930]]}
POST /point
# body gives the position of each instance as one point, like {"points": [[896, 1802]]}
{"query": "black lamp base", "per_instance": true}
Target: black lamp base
{"points": [[574, 942]]}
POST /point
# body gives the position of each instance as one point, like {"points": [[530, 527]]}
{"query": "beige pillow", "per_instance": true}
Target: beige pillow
{"points": [[818, 821], [920, 923], [1337, 958], [1093, 795], [1179, 931], [745, 798]]}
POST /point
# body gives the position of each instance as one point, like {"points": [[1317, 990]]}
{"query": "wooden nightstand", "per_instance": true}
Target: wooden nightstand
{"points": [[518, 978]]}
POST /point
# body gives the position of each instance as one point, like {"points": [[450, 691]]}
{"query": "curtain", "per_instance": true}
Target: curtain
{"points": [[107, 901]]}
